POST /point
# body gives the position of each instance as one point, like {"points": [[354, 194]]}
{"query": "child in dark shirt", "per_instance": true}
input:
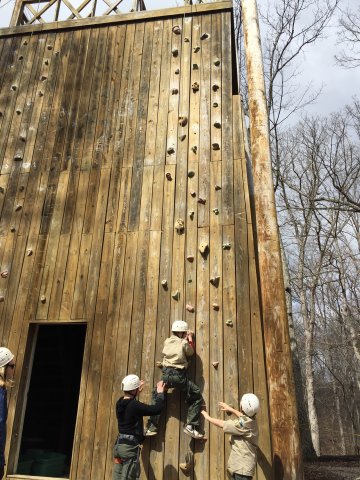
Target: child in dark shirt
{"points": [[129, 413]]}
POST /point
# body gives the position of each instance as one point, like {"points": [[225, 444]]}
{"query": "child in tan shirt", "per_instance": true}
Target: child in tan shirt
{"points": [[176, 351], [244, 436]]}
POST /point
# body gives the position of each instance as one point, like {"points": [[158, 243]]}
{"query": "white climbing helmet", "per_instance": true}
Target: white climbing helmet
{"points": [[5, 356], [130, 382], [249, 404], [179, 326]]}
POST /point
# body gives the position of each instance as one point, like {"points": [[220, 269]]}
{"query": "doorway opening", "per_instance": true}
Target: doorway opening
{"points": [[52, 401]]}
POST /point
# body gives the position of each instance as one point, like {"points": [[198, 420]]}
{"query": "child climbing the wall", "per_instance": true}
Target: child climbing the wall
{"points": [[176, 351], [244, 436]]}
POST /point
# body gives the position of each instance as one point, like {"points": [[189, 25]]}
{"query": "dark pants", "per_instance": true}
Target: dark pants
{"points": [[175, 378], [1, 471], [129, 469], [237, 476]]}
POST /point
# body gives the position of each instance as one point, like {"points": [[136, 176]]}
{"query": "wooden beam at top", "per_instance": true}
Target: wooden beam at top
{"points": [[125, 18]]}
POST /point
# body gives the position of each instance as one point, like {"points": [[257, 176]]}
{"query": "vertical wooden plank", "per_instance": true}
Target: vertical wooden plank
{"points": [[216, 321], [116, 121], [154, 92], [194, 120], [226, 123], [205, 116], [216, 81], [138, 162], [231, 378], [164, 92], [101, 360], [53, 243], [133, 95], [202, 332], [175, 86]]}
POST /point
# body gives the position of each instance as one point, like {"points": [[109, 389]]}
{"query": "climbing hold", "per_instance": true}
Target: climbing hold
{"points": [[190, 258], [217, 62], [159, 364], [29, 252], [215, 281], [204, 36], [174, 91], [179, 225], [2, 299], [216, 211], [226, 246], [183, 121], [171, 150], [191, 214], [175, 52], [185, 467], [168, 176], [18, 111], [13, 87], [164, 283], [20, 57], [2, 190], [176, 295], [186, 40], [191, 173], [46, 62], [215, 364], [4, 273], [216, 146], [43, 299], [18, 208], [203, 247], [21, 188], [215, 306], [12, 228], [25, 42], [41, 94], [196, 49], [229, 323], [43, 78], [190, 280], [215, 104], [202, 200], [194, 149], [22, 137], [217, 187], [217, 124], [215, 87], [190, 308], [182, 137], [176, 29], [177, 71], [18, 156], [195, 87], [195, 66], [49, 47]]}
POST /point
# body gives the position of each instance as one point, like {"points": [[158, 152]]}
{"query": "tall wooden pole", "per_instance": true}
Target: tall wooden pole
{"points": [[283, 412]]}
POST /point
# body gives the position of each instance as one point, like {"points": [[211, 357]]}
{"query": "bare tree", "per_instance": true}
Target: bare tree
{"points": [[349, 36]]}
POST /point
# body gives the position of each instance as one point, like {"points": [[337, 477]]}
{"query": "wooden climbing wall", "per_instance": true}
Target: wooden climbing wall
{"points": [[112, 129]]}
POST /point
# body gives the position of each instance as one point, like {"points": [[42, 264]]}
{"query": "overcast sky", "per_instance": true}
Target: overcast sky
{"points": [[318, 63]]}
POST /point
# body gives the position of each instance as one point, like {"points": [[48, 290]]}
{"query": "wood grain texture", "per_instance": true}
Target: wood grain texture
{"points": [[88, 215]]}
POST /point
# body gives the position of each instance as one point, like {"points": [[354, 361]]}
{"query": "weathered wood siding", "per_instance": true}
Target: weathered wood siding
{"points": [[100, 128]]}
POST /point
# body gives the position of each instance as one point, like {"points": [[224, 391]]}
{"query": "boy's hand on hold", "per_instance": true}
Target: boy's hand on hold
{"points": [[142, 383], [160, 387], [189, 335], [205, 414]]}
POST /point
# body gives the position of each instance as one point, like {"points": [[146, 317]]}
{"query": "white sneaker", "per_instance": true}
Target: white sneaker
{"points": [[192, 432]]}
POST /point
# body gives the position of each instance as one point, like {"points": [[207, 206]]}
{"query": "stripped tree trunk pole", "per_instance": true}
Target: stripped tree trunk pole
{"points": [[283, 412]]}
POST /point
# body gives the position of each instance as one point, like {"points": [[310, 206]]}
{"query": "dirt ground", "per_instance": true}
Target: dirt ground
{"points": [[333, 468]]}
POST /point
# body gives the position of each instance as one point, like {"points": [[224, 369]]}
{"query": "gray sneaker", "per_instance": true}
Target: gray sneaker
{"points": [[192, 432]]}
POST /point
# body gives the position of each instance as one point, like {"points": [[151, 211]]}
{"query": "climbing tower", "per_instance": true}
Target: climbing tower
{"points": [[128, 201]]}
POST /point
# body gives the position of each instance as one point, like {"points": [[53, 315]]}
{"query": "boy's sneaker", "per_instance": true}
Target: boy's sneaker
{"points": [[191, 430], [150, 431]]}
